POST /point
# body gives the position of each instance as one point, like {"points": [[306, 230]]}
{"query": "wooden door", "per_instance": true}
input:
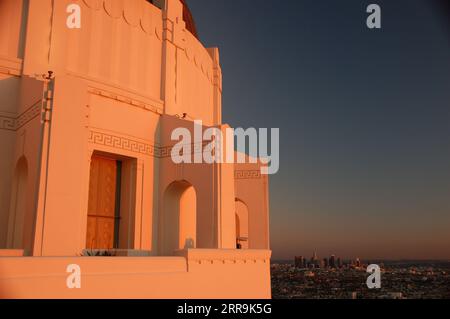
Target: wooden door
{"points": [[102, 203]]}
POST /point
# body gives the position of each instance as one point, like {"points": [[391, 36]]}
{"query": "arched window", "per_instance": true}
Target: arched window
{"points": [[242, 237], [17, 213], [178, 221]]}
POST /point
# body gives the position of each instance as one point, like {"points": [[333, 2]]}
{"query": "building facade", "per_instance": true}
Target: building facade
{"points": [[86, 118]]}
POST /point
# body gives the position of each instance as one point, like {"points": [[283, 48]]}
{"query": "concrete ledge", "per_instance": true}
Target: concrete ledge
{"points": [[11, 252], [117, 253], [139, 277], [225, 255]]}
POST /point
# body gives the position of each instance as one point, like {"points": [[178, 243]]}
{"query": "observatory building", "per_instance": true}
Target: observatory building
{"points": [[91, 203]]}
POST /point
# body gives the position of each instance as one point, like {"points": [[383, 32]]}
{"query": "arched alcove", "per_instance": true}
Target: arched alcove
{"points": [[178, 221], [17, 213], [242, 236]]}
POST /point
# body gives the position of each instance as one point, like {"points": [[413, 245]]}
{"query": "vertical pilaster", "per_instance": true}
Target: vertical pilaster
{"points": [[37, 48], [173, 41], [63, 210], [139, 169], [85, 199], [47, 102], [225, 201], [217, 85]]}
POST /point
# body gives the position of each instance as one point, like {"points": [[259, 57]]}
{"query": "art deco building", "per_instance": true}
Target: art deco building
{"points": [[86, 117]]}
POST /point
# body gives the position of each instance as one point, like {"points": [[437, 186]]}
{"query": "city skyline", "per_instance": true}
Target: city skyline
{"points": [[351, 258], [364, 119]]}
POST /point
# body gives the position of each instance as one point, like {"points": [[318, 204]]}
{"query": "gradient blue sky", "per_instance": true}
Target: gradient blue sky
{"points": [[364, 118]]}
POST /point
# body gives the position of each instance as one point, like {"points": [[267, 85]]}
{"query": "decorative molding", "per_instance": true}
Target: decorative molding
{"points": [[137, 14], [135, 146], [221, 256], [7, 123], [15, 123], [116, 92], [247, 174], [28, 115], [123, 143], [166, 151], [153, 107], [197, 54]]}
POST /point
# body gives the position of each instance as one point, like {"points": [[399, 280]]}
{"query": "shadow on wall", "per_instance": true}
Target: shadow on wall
{"points": [[20, 134]]}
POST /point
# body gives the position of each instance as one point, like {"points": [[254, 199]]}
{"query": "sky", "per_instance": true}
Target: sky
{"points": [[364, 118]]}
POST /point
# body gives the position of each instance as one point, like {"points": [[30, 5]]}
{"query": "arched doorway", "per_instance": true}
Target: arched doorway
{"points": [[17, 224], [178, 222], [242, 240]]}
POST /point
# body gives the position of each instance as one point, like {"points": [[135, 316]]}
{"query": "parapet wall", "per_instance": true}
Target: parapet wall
{"points": [[201, 274]]}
